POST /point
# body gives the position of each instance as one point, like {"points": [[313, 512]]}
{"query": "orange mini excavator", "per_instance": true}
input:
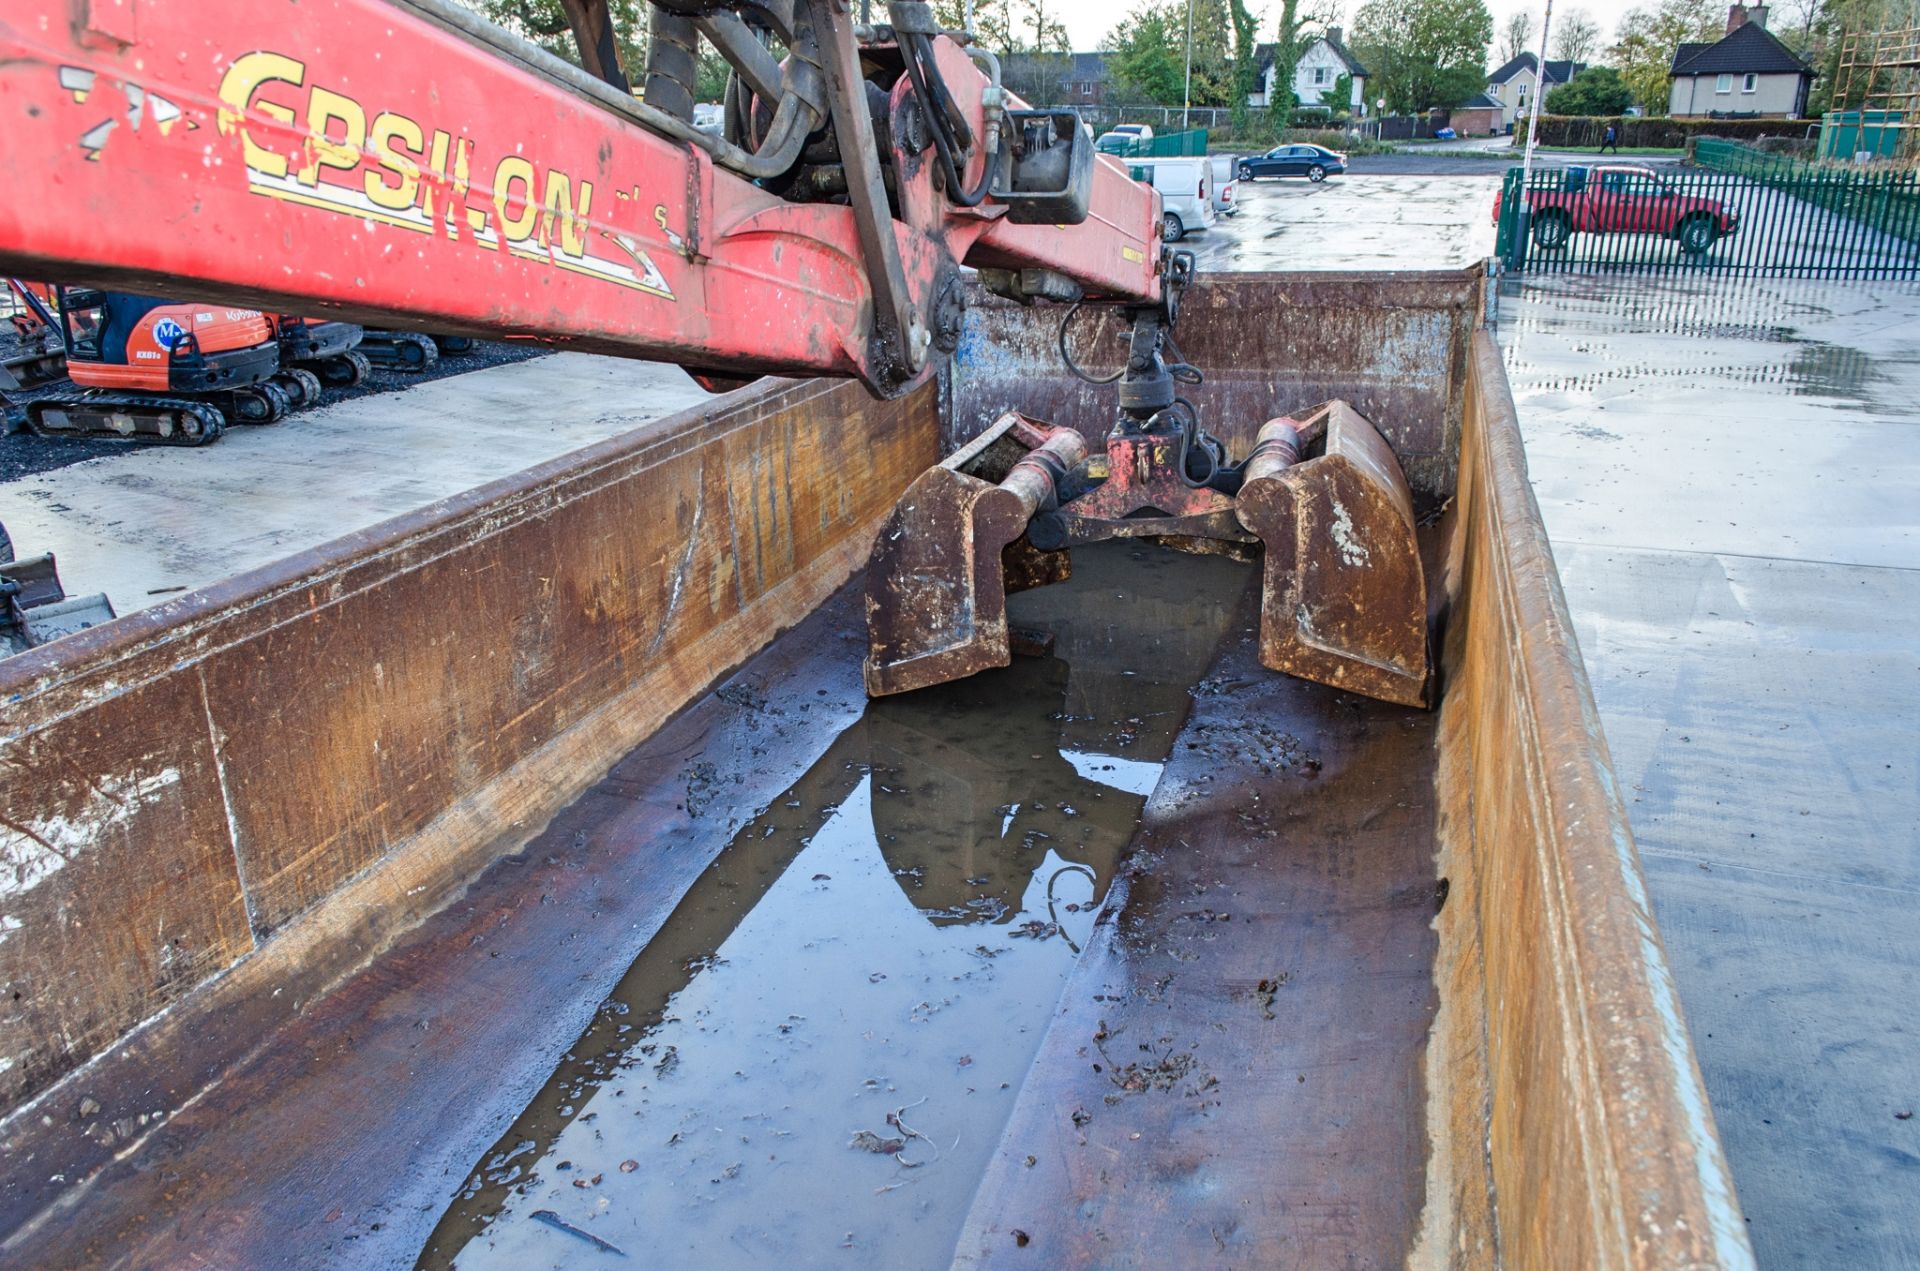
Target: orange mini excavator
{"points": [[154, 370]]}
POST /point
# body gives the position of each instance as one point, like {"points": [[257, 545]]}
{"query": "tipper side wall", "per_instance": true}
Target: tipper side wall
{"points": [[183, 785]]}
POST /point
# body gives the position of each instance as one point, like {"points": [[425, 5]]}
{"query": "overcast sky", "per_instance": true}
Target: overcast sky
{"points": [[1088, 21]]}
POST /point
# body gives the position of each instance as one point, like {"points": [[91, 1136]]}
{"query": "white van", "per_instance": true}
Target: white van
{"points": [[1186, 193], [1223, 183]]}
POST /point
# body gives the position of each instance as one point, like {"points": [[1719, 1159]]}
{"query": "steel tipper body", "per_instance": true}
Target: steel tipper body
{"points": [[1402, 990]]}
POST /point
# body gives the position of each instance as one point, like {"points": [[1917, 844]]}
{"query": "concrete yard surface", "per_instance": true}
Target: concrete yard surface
{"points": [[148, 523], [1730, 470], [1398, 221]]}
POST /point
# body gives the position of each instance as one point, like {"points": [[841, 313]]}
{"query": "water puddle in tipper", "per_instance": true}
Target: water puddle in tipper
{"points": [[815, 1057]]}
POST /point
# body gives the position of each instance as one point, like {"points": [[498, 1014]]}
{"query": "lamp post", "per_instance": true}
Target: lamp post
{"points": [[1522, 222], [1187, 109]]}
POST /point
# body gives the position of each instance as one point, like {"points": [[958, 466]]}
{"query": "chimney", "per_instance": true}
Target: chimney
{"points": [[1736, 17], [1334, 33], [1757, 15]]}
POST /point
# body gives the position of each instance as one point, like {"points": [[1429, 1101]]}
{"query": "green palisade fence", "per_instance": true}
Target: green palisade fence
{"points": [[1166, 145], [1770, 215]]}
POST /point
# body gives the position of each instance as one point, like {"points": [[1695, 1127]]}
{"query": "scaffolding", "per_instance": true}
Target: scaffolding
{"points": [[1877, 83]]}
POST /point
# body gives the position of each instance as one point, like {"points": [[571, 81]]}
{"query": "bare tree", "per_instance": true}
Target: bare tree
{"points": [[1576, 37], [1516, 36]]}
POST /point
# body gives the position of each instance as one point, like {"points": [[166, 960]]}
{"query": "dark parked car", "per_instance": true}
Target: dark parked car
{"points": [[1315, 163]]}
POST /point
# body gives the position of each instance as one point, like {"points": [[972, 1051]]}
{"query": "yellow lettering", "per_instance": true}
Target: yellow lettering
{"points": [[436, 173], [516, 224], [560, 211], [324, 109], [398, 191], [238, 88], [443, 191]]}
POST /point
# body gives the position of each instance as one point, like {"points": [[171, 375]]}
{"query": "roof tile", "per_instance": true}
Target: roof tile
{"points": [[1747, 48]]}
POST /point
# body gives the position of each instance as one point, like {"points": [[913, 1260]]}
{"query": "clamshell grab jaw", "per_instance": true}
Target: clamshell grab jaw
{"points": [[1344, 595], [1343, 592], [951, 551]]}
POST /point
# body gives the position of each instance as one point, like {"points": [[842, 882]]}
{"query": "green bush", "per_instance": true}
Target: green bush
{"points": [[1598, 90]]}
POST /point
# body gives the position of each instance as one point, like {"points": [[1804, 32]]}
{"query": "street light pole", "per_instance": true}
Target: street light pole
{"points": [[1187, 109], [1523, 221]]}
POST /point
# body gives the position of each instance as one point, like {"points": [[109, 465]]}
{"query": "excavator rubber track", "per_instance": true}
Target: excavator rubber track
{"points": [[167, 421], [399, 350], [264, 403], [347, 370], [302, 386]]}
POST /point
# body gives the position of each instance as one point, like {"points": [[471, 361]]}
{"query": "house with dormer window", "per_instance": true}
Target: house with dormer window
{"points": [[1315, 75], [1747, 73]]}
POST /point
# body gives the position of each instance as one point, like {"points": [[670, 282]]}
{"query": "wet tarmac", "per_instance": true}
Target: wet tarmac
{"points": [[1730, 471], [814, 1058], [1406, 221]]}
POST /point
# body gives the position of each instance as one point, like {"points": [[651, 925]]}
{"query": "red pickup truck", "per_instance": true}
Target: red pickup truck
{"points": [[1623, 200]]}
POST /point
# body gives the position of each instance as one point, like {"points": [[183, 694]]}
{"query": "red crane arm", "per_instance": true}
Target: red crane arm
{"points": [[359, 158]]}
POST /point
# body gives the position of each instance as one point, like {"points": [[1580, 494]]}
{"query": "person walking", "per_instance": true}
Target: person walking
{"points": [[1612, 139]]}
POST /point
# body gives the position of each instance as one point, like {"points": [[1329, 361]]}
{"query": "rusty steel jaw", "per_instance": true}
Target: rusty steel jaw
{"points": [[1343, 590]]}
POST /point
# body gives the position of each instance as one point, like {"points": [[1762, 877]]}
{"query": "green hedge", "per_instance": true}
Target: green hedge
{"points": [[1636, 132]]}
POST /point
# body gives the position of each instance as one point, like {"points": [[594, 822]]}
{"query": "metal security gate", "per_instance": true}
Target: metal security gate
{"points": [[1741, 212]]}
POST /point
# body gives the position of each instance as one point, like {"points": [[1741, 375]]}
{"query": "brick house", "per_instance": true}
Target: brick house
{"points": [[1057, 79]]}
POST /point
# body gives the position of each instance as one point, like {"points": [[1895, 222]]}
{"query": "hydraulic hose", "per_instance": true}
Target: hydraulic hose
{"points": [[672, 63], [930, 109]]}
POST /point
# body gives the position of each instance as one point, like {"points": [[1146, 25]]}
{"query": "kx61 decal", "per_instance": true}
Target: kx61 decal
{"points": [[388, 168]]}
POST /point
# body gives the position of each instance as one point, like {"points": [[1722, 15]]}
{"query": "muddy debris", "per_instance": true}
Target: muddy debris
{"points": [[558, 1223], [868, 1141], [1267, 991], [1267, 748]]}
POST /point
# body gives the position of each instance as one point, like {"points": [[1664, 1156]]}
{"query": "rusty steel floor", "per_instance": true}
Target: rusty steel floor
{"points": [[1233, 1077], [1226, 1069]]}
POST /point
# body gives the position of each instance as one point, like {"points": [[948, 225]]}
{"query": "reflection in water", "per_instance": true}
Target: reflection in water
{"points": [[879, 952]]}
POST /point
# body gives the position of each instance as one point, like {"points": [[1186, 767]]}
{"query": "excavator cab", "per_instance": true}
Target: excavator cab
{"points": [[152, 369]]}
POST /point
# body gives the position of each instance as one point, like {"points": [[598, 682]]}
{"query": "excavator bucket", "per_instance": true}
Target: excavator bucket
{"points": [[35, 608], [1344, 598], [952, 549]]}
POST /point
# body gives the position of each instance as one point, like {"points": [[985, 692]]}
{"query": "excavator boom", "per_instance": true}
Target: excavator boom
{"points": [[401, 163]]}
